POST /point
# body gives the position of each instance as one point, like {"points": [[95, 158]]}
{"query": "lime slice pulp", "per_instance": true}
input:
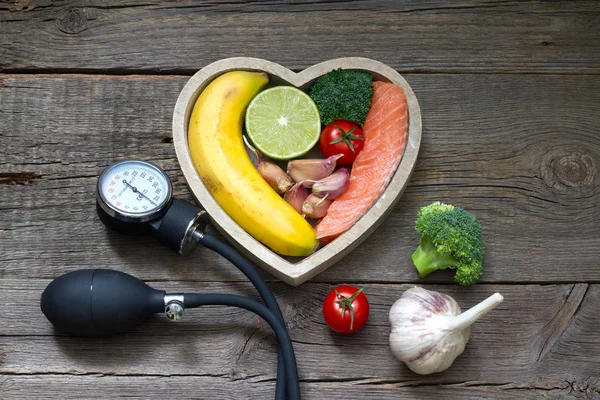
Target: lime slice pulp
{"points": [[283, 122]]}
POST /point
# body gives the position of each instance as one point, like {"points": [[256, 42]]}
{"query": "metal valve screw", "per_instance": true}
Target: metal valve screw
{"points": [[174, 311]]}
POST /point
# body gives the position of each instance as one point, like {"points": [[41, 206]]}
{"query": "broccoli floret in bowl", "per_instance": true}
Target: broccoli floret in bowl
{"points": [[343, 94], [450, 238]]}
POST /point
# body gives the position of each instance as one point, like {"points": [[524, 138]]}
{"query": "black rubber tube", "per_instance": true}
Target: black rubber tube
{"points": [[285, 343], [252, 274]]}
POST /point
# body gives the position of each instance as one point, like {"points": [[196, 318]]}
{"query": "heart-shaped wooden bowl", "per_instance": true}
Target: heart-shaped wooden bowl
{"points": [[294, 271]]}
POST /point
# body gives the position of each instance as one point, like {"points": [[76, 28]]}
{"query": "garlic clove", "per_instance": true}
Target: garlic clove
{"points": [[296, 196], [271, 172], [316, 207], [429, 331], [311, 170], [275, 176], [332, 186]]}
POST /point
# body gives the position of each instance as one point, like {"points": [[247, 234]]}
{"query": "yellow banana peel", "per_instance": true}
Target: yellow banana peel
{"points": [[217, 150]]}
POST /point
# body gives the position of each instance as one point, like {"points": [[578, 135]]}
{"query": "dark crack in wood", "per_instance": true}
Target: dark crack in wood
{"points": [[554, 329], [18, 178], [240, 354]]}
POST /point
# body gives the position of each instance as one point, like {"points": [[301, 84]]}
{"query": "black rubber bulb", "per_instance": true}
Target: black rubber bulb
{"points": [[98, 302]]}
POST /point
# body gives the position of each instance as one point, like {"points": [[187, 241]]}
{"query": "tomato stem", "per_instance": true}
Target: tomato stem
{"points": [[347, 303], [346, 137]]}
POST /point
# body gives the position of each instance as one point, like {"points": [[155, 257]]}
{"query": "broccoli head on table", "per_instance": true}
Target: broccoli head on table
{"points": [[450, 238]]}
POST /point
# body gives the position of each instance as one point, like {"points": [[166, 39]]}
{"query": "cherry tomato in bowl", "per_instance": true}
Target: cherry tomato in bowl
{"points": [[342, 137], [346, 309]]}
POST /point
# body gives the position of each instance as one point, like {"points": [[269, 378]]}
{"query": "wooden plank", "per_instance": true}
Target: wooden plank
{"points": [[540, 336], [427, 36], [207, 387], [521, 152]]}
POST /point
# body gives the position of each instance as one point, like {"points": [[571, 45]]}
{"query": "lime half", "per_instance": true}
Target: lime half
{"points": [[283, 122]]}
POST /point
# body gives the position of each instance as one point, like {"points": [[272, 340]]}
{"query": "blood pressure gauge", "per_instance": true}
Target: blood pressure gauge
{"points": [[135, 197]]}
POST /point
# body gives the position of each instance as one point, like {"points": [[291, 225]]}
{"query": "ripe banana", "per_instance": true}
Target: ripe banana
{"points": [[218, 152]]}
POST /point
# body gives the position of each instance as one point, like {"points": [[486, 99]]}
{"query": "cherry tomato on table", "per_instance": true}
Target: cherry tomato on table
{"points": [[342, 137], [346, 309]]}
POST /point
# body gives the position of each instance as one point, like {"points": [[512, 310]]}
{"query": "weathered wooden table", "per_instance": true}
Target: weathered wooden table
{"points": [[510, 97]]}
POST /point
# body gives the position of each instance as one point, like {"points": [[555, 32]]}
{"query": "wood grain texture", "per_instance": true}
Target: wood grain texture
{"points": [[205, 387], [503, 136], [428, 36], [522, 152], [228, 348]]}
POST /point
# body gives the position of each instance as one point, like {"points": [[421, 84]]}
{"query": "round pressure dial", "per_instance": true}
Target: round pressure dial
{"points": [[134, 191]]}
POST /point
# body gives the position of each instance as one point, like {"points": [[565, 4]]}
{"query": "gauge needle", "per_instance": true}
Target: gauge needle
{"points": [[138, 192], [124, 189]]}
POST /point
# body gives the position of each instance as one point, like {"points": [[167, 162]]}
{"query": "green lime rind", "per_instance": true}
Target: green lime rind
{"points": [[283, 122]]}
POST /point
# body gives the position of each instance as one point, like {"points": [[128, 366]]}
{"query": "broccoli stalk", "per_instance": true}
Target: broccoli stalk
{"points": [[427, 259], [450, 238]]}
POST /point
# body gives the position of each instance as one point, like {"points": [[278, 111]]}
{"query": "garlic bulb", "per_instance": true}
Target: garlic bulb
{"points": [[428, 330]]}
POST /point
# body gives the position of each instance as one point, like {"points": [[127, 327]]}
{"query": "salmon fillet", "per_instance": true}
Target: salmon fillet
{"points": [[385, 131]]}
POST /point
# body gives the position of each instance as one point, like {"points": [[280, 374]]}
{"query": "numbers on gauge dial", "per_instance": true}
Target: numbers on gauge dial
{"points": [[135, 188]]}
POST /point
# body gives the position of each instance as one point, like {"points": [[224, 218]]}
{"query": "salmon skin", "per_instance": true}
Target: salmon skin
{"points": [[385, 131]]}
